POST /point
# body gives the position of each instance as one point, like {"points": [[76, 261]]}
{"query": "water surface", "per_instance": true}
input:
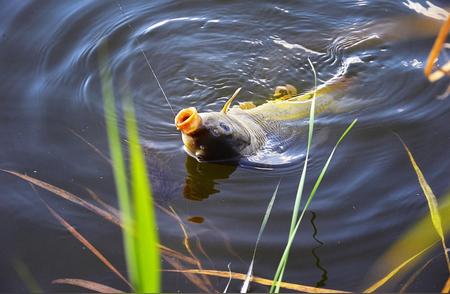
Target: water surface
{"points": [[201, 52]]}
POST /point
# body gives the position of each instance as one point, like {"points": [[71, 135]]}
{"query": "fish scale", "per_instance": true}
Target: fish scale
{"points": [[247, 130]]}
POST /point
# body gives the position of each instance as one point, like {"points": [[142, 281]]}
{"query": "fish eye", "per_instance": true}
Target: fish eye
{"points": [[224, 127]]}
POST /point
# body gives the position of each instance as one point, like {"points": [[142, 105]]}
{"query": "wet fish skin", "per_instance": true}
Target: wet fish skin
{"points": [[242, 130], [221, 137]]}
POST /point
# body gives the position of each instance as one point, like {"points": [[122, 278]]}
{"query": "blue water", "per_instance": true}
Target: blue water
{"points": [[201, 51]]}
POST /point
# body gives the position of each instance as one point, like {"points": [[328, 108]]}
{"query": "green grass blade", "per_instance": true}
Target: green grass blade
{"points": [[432, 201], [146, 234], [230, 278], [118, 165], [391, 274], [324, 170], [280, 270], [308, 148], [246, 283], [26, 276], [419, 237], [285, 256], [85, 284]]}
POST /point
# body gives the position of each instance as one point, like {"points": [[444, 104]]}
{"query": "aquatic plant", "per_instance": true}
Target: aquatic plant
{"points": [[138, 181], [432, 202], [258, 280], [296, 220], [434, 53], [174, 258], [26, 276], [420, 238], [248, 278], [139, 224]]}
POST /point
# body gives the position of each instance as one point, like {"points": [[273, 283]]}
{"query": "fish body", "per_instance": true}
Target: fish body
{"points": [[299, 106], [240, 131]]}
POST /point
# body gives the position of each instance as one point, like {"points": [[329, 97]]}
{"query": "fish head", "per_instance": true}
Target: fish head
{"points": [[212, 136]]}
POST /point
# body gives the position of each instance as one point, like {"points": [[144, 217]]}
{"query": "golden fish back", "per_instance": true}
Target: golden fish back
{"points": [[299, 107]]}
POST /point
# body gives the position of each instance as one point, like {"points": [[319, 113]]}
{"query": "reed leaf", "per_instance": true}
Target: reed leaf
{"points": [[92, 146], [89, 285], [67, 196], [391, 274], [275, 287], [230, 278], [258, 280], [88, 244], [194, 279], [280, 270], [247, 280], [109, 216], [418, 238], [145, 227], [118, 164], [301, 185], [100, 201], [431, 200], [415, 275], [187, 243], [140, 231], [434, 53], [26, 276]]}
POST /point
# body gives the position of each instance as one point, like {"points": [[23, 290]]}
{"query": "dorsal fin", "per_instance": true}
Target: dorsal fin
{"points": [[285, 92], [228, 103]]}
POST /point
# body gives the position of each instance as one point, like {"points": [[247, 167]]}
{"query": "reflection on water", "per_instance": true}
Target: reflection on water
{"points": [[196, 219], [201, 178], [324, 277]]}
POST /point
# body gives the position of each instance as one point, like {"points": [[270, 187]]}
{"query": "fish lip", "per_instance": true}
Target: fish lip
{"points": [[188, 120], [199, 159], [192, 154], [190, 146]]}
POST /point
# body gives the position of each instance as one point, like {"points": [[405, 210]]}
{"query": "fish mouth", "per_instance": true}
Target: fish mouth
{"points": [[199, 142], [188, 120], [192, 154]]}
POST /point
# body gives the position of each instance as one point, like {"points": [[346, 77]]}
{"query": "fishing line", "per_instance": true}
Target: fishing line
{"points": [[147, 60]]}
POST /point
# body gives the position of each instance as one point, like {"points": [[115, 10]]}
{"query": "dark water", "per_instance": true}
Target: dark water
{"points": [[202, 51]]}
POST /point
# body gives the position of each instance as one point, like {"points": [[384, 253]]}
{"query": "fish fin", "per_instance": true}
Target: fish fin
{"points": [[291, 90], [246, 105], [284, 92], [227, 105]]}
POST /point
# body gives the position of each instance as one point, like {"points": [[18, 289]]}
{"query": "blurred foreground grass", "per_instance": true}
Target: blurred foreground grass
{"points": [[140, 233]]}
